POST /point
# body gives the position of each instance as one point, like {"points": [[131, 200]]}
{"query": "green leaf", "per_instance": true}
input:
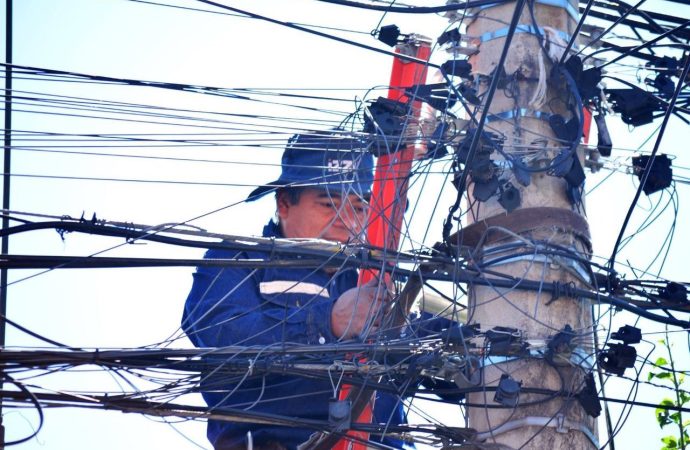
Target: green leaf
{"points": [[664, 375], [661, 361], [662, 418], [670, 442], [675, 417], [667, 402], [684, 397]]}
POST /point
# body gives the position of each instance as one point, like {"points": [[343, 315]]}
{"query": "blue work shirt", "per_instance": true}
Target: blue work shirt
{"points": [[261, 307]]}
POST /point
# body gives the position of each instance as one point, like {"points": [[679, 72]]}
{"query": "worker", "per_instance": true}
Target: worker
{"points": [[322, 192]]}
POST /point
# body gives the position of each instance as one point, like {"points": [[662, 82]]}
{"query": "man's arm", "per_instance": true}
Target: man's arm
{"points": [[226, 307]]}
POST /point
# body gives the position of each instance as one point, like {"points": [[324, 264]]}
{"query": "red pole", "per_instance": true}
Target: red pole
{"points": [[389, 195]]}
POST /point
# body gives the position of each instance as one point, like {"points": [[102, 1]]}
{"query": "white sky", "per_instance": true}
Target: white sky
{"points": [[123, 308]]}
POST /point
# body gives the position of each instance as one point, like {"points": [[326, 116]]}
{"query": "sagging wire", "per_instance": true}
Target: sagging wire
{"points": [[648, 168]]}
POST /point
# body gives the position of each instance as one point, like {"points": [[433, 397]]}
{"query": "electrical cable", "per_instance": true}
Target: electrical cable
{"points": [[648, 167]]}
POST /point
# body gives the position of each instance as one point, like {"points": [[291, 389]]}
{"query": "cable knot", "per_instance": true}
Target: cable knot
{"points": [[559, 290]]}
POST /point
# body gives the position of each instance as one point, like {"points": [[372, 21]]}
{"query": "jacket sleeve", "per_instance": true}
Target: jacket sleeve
{"points": [[225, 307]]}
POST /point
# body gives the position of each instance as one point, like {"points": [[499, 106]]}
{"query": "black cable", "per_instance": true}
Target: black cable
{"points": [[611, 27], [647, 45], [576, 33], [186, 8], [32, 398], [648, 168], [418, 9], [325, 35], [34, 334]]}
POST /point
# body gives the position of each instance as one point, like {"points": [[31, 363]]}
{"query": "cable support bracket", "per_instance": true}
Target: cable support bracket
{"points": [[559, 422], [578, 268], [579, 357]]}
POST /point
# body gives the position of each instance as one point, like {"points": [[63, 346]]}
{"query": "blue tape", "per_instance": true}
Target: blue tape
{"points": [[521, 112], [522, 28]]}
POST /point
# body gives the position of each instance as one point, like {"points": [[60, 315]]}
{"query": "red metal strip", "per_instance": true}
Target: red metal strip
{"points": [[389, 198]]}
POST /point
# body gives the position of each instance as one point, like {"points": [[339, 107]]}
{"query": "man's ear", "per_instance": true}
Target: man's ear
{"points": [[282, 205]]}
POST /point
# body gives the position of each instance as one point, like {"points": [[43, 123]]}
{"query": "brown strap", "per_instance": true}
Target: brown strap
{"points": [[522, 221]]}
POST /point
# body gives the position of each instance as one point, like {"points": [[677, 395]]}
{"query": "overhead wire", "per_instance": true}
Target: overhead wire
{"points": [[423, 172]]}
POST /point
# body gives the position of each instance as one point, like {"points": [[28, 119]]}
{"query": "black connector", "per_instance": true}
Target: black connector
{"points": [[586, 80], [636, 106], [505, 341], [604, 144], [437, 95], [628, 335], [589, 398], [560, 343], [469, 93], [664, 63], [566, 131], [458, 68], [387, 117], [663, 84], [389, 35], [660, 175], [509, 197], [674, 292], [617, 358], [449, 36], [507, 391]]}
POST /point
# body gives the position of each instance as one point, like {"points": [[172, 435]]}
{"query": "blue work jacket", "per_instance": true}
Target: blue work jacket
{"points": [[261, 307]]}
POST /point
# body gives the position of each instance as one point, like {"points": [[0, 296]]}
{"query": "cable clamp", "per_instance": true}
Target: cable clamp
{"points": [[559, 422]]}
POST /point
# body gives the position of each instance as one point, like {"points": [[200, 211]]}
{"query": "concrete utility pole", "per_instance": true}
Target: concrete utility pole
{"points": [[517, 114]]}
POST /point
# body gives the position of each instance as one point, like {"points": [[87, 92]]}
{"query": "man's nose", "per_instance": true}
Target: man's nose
{"points": [[353, 219]]}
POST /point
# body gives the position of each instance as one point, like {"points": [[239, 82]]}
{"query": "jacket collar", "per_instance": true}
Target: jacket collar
{"points": [[272, 229]]}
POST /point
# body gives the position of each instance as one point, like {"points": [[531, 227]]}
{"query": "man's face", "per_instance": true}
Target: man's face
{"points": [[320, 214]]}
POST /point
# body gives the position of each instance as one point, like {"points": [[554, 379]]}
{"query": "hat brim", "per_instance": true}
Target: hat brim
{"points": [[263, 190], [348, 188]]}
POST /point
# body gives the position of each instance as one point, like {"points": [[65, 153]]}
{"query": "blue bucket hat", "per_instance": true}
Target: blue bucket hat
{"points": [[325, 160]]}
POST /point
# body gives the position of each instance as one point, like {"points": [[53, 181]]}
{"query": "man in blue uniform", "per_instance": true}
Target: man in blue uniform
{"points": [[322, 193]]}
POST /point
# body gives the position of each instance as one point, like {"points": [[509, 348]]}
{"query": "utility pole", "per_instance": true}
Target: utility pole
{"points": [[517, 117], [6, 182]]}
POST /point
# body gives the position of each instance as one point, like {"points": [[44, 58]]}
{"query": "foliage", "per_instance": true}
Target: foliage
{"points": [[668, 412]]}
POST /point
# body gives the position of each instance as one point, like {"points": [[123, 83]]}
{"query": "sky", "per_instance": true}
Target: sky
{"points": [[203, 186]]}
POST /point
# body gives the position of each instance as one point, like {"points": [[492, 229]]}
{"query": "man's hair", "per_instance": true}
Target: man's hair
{"points": [[293, 194]]}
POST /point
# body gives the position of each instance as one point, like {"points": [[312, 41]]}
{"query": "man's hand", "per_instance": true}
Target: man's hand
{"points": [[359, 310]]}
